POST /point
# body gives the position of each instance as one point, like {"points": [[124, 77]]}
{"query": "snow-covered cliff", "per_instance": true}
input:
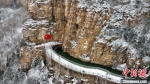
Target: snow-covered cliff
{"points": [[107, 32]]}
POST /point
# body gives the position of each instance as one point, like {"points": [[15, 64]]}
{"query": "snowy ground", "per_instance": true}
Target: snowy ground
{"points": [[11, 25]]}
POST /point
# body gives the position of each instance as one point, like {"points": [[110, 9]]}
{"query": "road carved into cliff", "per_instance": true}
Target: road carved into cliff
{"points": [[96, 71]]}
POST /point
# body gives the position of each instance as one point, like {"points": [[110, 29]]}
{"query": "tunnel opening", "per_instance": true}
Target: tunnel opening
{"points": [[56, 47]]}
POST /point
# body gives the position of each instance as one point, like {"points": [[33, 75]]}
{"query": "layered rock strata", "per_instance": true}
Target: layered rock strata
{"points": [[88, 29]]}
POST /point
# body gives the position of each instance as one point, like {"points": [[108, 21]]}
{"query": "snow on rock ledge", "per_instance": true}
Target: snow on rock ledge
{"points": [[93, 5]]}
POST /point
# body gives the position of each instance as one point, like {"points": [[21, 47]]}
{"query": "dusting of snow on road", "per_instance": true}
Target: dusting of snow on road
{"points": [[50, 53]]}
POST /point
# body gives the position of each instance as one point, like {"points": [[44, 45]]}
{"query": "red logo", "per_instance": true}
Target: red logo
{"points": [[142, 73], [125, 72], [135, 73]]}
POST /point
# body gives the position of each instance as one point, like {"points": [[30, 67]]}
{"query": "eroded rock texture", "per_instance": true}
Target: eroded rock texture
{"points": [[29, 53], [93, 30]]}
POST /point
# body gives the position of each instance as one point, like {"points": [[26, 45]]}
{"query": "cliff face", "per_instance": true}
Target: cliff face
{"points": [[95, 31], [28, 54]]}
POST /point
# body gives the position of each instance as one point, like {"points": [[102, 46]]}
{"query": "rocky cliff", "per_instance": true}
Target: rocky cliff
{"points": [[107, 32]]}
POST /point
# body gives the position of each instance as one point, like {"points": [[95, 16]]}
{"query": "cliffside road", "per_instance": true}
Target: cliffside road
{"points": [[108, 32], [112, 33], [50, 53]]}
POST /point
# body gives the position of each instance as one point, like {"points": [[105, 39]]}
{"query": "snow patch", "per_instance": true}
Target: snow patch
{"points": [[121, 67], [34, 23], [146, 59], [74, 43], [93, 5], [43, 1]]}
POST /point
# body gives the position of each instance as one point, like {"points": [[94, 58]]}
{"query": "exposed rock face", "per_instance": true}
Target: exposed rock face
{"points": [[29, 53], [91, 28], [36, 30]]}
